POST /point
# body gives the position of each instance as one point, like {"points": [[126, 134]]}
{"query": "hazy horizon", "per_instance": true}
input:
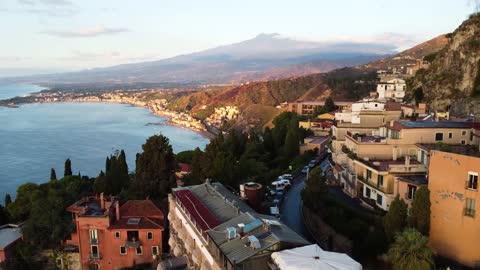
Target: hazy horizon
{"points": [[68, 35]]}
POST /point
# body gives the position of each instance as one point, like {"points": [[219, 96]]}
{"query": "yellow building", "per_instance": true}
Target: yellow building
{"points": [[455, 201]]}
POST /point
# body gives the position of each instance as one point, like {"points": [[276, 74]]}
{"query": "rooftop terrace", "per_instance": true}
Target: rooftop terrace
{"points": [[466, 150]]}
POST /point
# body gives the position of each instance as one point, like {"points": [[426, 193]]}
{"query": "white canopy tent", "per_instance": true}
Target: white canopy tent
{"points": [[313, 258]]}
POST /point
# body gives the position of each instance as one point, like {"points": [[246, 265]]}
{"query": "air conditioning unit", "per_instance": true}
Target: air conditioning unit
{"points": [[254, 242], [231, 233]]}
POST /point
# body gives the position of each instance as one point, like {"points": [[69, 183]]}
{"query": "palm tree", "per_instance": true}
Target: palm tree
{"points": [[410, 251]]}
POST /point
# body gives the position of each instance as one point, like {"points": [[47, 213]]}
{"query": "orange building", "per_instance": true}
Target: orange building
{"points": [[454, 196], [110, 236]]}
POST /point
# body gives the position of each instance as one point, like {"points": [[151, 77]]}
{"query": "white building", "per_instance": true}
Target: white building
{"points": [[353, 115], [392, 89]]}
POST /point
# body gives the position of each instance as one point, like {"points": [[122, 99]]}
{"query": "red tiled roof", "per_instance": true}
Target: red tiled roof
{"points": [[184, 167], [140, 208], [199, 212], [145, 223]]}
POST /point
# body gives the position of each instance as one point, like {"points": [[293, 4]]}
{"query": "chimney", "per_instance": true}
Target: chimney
{"points": [[394, 156], [407, 161], [117, 210], [391, 123], [102, 201]]}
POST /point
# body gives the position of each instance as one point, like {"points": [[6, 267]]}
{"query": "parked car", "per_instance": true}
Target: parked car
{"points": [[287, 176], [312, 163], [277, 201], [305, 169], [278, 186], [286, 182]]}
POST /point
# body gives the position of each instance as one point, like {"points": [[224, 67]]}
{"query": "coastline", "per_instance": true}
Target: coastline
{"points": [[154, 108]]}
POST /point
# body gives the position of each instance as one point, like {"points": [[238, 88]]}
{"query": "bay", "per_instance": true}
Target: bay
{"points": [[14, 90], [37, 137]]}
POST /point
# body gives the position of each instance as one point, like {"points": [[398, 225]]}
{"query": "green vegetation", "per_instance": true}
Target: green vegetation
{"points": [[155, 167], [53, 174], [68, 168], [255, 156], [411, 251], [350, 83], [430, 57], [396, 218], [116, 178], [420, 211]]}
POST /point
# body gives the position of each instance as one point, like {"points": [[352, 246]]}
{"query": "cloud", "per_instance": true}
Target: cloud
{"points": [[87, 32], [90, 56], [46, 2]]}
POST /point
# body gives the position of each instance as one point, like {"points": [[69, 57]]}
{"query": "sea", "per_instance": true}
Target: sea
{"points": [[37, 137]]}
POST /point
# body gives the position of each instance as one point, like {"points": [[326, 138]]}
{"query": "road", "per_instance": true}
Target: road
{"points": [[290, 211]]}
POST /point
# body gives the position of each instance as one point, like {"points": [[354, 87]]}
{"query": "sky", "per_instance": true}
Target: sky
{"points": [[42, 36]]}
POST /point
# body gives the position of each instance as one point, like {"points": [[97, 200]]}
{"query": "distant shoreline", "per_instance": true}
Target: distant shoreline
{"points": [[157, 113]]}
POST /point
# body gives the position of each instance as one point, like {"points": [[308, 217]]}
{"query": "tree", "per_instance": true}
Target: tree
{"points": [[315, 189], [292, 140], [53, 174], [420, 211], [3, 215], [155, 168], [396, 218], [68, 168], [410, 251], [329, 105], [20, 209], [8, 200], [99, 184]]}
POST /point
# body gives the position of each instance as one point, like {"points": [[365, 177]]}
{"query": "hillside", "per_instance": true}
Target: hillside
{"points": [[409, 57], [453, 79]]}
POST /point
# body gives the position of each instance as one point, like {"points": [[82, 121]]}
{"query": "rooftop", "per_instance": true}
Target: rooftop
{"points": [[414, 179], [399, 125], [466, 150], [384, 165], [140, 208], [9, 234], [268, 230]]}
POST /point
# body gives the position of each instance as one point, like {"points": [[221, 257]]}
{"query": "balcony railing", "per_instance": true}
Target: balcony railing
{"points": [[388, 189], [469, 212], [93, 241], [132, 243]]}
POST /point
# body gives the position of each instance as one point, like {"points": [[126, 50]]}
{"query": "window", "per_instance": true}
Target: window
{"points": [[93, 236], [94, 267], [395, 134], [470, 207], [379, 199], [464, 132], [411, 192], [462, 142], [132, 236], [380, 181], [139, 250], [95, 254], [369, 175], [438, 136], [450, 135], [149, 235], [367, 192], [155, 250], [472, 181], [123, 250], [117, 235]]}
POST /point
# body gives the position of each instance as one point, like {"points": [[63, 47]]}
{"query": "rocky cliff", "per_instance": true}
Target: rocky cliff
{"points": [[453, 79]]}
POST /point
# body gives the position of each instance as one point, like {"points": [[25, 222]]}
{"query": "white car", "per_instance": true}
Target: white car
{"points": [[287, 176], [286, 182]]}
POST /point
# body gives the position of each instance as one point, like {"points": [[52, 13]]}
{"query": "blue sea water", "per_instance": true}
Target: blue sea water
{"points": [[37, 137], [10, 91]]}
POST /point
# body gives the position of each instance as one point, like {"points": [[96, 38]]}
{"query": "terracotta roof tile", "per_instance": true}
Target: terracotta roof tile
{"points": [[140, 208]]}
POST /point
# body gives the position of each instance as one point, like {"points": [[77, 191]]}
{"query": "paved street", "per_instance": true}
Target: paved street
{"points": [[290, 210]]}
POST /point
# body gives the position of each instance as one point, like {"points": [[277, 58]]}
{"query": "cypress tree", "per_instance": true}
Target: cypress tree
{"points": [[396, 218], [107, 165], [8, 200], [68, 168], [420, 212], [53, 174]]}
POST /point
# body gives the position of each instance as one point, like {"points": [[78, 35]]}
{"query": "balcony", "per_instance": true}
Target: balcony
{"points": [[133, 243], [388, 189], [93, 241], [469, 212]]}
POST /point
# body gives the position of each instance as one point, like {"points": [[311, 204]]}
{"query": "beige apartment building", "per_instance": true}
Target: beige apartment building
{"points": [[391, 163], [213, 229], [455, 202]]}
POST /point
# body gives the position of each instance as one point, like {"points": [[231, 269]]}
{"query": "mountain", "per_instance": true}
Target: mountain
{"points": [[453, 78], [409, 57], [267, 56]]}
